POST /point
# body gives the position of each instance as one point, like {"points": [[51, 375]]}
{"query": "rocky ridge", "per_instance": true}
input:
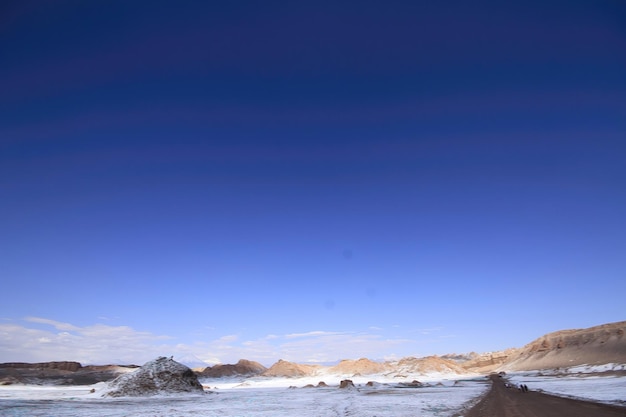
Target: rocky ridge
{"points": [[596, 345], [488, 362], [242, 368], [427, 365], [592, 346]]}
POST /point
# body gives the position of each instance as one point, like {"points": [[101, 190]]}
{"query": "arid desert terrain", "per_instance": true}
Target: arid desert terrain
{"points": [[579, 372]]}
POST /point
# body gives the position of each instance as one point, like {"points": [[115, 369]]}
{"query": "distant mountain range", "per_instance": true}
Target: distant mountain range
{"points": [[604, 344]]}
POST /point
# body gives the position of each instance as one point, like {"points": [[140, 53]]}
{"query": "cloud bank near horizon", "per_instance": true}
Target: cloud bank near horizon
{"points": [[37, 339]]}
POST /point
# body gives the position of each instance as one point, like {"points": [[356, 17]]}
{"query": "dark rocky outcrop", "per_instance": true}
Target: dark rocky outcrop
{"points": [[242, 368], [413, 384], [346, 383], [61, 366], [160, 376]]}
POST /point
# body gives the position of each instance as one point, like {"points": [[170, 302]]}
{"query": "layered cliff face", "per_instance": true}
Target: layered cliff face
{"points": [[60, 366], [593, 346], [427, 365], [58, 373], [160, 376]]}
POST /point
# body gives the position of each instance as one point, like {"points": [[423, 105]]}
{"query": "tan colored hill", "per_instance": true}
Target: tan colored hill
{"points": [[243, 367], [427, 365], [594, 346], [361, 366], [290, 369]]}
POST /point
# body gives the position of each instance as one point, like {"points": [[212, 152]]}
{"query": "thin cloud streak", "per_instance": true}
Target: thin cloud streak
{"points": [[56, 324]]}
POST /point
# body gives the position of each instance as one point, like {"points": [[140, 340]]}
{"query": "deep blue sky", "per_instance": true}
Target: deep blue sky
{"points": [[308, 180]]}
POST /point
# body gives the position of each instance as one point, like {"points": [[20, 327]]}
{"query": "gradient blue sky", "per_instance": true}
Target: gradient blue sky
{"points": [[308, 180]]}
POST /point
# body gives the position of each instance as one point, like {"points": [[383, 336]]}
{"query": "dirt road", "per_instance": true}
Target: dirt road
{"points": [[501, 401]]}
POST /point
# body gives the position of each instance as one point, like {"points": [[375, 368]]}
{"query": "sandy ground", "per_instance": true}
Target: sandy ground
{"points": [[501, 401]]}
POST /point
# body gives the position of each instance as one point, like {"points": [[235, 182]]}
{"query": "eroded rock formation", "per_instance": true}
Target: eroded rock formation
{"points": [[160, 376]]}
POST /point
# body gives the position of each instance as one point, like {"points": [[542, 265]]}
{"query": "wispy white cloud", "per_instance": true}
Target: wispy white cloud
{"points": [[56, 324], [315, 346], [97, 343], [37, 339], [229, 338], [316, 333]]}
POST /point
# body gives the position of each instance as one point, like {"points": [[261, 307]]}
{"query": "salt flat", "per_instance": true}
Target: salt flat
{"points": [[381, 400], [274, 397]]}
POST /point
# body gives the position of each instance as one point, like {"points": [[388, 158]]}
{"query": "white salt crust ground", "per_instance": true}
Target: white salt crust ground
{"points": [[381, 400]]}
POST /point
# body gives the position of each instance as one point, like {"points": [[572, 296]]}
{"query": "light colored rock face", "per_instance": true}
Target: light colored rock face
{"points": [[361, 366], [488, 362], [427, 365], [160, 376]]}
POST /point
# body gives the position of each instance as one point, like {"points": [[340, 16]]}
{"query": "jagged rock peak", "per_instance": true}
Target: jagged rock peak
{"points": [[160, 376]]}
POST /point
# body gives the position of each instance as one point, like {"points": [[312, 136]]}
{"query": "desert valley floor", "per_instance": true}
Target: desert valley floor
{"points": [[289, 396]]}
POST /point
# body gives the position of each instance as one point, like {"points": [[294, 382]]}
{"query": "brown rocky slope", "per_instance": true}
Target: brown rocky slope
{"points": [[594, 346], [361, 366]]}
